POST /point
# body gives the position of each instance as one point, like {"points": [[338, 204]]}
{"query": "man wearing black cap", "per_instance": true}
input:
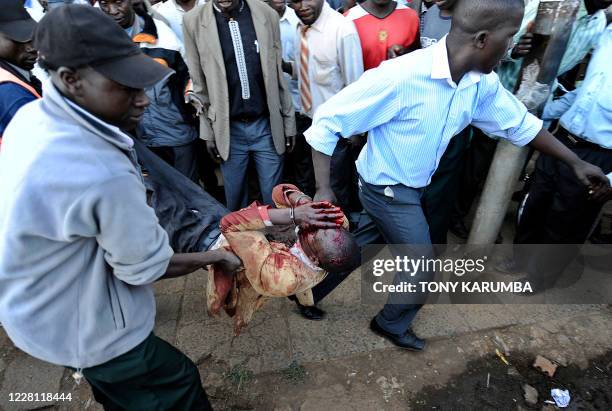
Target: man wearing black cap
{"points": [[79, 246], [17, 58]]}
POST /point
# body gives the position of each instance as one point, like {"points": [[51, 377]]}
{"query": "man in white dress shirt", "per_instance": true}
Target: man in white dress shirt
{"points": [[412, 106], [174, 10]]}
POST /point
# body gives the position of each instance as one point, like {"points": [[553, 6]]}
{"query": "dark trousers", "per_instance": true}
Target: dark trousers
{"points": [[298, 164], [206, 171], [398, 215], [343, 174], [152, 376], [440, 194], [252, 140], [478, 160], [558, 212], [182, 158]]}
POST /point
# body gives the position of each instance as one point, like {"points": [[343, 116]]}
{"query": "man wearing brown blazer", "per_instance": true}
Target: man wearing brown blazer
{"points": [[234, 56]]}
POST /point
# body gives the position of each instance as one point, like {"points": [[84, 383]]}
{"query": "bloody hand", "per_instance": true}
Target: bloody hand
{"points": [[321, 214]]}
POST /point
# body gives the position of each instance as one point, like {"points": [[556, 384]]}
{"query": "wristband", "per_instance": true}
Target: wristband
{"points": [[292, 215]]}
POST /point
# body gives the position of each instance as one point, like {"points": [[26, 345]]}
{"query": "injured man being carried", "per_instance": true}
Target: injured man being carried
{"points": [[196, 222]]}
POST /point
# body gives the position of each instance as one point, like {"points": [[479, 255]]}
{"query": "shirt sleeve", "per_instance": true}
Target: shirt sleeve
{"points": [[135, 245], [252, 218], [351, 56], [12, 98], [500, 113], [369, 102], [271, 272], [556, 108]]}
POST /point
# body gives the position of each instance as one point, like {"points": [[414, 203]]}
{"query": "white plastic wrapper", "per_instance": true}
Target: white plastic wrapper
{"points": [[561, 397]]}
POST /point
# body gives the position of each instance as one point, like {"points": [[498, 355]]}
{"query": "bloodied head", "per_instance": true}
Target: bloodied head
{"points": [[334, 250]]}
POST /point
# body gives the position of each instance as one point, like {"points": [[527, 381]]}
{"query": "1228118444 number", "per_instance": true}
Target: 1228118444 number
{"points": [[39, 396]]}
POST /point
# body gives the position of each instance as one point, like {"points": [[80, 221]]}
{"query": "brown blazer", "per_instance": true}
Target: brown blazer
{"points": [[205, 61]]}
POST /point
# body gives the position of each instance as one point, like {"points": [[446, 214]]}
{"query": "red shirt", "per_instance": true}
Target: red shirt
{"points": [[377, 35]]}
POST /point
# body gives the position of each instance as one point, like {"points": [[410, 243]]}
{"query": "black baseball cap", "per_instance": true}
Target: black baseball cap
{"points": [[15, 21], [80, 35]]}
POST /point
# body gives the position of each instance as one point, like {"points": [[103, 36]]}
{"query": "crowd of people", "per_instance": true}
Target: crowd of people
{"points": [[134, 134]]}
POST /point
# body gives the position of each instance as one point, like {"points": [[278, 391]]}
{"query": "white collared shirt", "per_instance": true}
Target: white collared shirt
{"points": [[288, 32], [412, 108], [174, 13], [335, 59]]}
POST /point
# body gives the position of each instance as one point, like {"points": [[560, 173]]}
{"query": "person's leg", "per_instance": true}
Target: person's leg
{"points": [[234, 170], [440, 194], [268, 162], [570, 219], [206, 170], [539, 200], [397, 213], [301, 158], [165, 153], [185, 161], [152, 376]]}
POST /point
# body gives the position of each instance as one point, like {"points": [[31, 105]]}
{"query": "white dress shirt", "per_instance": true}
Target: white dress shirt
{"points": [[288, 32], [174, 13], [587, 111], [334, 60], [412, 108]]}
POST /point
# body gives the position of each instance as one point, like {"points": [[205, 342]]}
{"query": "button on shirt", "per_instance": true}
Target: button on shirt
{"points": [[334, 60], [412, 108], [173, 13], [587, 111], [288, 32], [256, 105]]}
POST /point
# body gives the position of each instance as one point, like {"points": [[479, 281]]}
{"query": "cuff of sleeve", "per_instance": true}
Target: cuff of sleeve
{"points": [[265, 216], [528, 131], [322, 141]]}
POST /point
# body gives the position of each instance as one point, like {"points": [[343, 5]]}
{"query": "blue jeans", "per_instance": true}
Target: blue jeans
{"points": [[250, 140], [399, 217]]}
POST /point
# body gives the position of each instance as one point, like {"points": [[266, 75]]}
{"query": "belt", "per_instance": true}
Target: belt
{"points": [[573, 141], [245, 119]]}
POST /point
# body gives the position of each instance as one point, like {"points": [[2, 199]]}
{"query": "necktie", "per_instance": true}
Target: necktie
{"points": [[304, 79], [240, 58]]}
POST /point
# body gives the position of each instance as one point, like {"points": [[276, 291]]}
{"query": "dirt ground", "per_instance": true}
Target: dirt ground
{"points": [[591, 388], [451, 374]]}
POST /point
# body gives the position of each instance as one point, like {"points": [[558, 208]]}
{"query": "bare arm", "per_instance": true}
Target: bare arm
{"points": [[183, 264], [321, 163]]}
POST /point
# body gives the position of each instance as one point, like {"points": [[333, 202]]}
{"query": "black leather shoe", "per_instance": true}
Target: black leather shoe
{"points": [[311, 313], [459, 229], [408, 341]]}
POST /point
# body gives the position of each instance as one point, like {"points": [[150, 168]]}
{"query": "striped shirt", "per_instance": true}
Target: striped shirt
{"points": [[587, 111], [334, 56], [412, 108], [585, 34]]}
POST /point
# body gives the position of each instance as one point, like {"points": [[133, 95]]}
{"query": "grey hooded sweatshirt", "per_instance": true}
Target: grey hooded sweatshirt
{"points": [[79, 245]]}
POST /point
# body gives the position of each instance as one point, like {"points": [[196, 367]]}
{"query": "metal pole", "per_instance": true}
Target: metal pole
{"points": [[552, 29]]}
